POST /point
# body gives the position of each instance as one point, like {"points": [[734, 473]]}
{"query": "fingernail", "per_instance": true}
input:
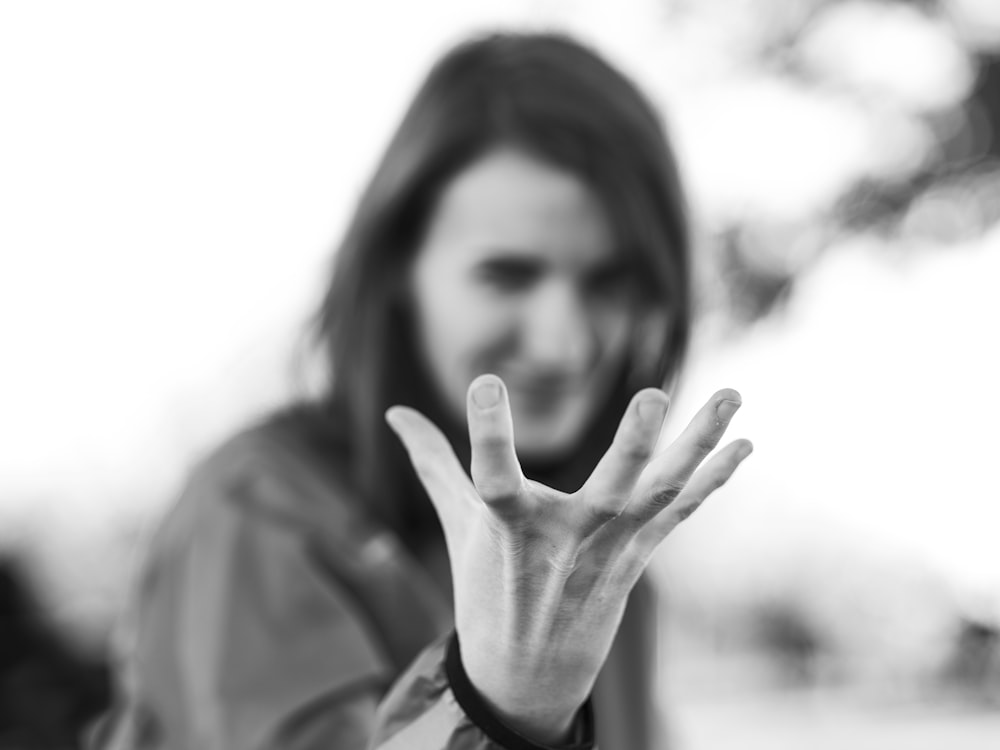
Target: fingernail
{"points": [[392, 417], [486, 395], [653, 410], [746, 450], [726, 409]]}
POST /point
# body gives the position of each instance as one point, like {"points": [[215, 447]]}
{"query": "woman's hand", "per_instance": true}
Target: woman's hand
{"points": [[541, 577]]}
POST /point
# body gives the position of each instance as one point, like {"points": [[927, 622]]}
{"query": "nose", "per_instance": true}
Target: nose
{"points": [[557, 331]]}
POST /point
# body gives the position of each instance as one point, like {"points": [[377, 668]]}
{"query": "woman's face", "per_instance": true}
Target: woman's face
{"points": [[518, 275]]}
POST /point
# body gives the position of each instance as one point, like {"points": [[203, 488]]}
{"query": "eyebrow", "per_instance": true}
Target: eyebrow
{"points": [[512, 260], [524, 260]]}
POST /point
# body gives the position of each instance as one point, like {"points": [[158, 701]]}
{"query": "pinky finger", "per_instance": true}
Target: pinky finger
{"points": [[711, 476]]}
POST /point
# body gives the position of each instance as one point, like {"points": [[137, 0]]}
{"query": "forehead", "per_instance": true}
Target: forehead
{"points": [[511, 202]]}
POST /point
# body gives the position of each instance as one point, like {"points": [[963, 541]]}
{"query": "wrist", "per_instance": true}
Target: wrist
{"points": [[515, 723], [530, 688]]}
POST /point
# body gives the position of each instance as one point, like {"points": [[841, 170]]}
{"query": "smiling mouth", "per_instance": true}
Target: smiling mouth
{"points": [[538, 393]]}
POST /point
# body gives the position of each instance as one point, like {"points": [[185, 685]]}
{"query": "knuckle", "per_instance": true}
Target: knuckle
{"points": [[685, 510], [429, 472], [423, 465], [492, 442], [603, 513], [497, 489], [666, 492], [717, 480], [636, 451], [705, 441]]}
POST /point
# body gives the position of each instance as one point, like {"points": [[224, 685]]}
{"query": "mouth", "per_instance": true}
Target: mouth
{"points": [[547, 391]]}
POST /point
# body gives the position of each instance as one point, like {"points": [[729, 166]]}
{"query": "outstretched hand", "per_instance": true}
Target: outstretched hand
{"points": [[541, 577]]}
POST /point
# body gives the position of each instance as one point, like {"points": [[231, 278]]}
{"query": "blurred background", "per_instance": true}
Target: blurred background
{"points": [[174, 176]]}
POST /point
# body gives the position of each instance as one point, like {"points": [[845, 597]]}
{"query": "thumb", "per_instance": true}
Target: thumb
{"points": [[438, 468]]}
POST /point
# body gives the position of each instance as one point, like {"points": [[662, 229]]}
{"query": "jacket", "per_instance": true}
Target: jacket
{"points": [[274, 613]]}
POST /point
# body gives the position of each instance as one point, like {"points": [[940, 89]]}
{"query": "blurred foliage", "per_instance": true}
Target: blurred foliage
{"points": [[974, 664], [858, 52]]}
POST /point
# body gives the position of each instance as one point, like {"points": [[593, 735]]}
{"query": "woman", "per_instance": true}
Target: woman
{"points": [[515, 272]]}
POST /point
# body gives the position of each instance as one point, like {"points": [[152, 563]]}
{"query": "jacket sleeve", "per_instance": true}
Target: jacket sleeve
{"points": [[244, 641], [434, 705], [266, 650]]}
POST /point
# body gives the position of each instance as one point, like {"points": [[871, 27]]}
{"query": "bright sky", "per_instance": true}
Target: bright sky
{"points": [[173, 177]]}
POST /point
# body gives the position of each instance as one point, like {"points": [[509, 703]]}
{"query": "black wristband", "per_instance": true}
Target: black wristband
{"points": [[482, 715]]}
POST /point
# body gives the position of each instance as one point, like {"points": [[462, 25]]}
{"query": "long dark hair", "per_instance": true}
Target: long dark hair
{"points": [[562, 103]]}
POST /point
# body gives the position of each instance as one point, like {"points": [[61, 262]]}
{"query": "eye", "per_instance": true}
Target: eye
{"points": [[508, 274], [612, 282]]}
